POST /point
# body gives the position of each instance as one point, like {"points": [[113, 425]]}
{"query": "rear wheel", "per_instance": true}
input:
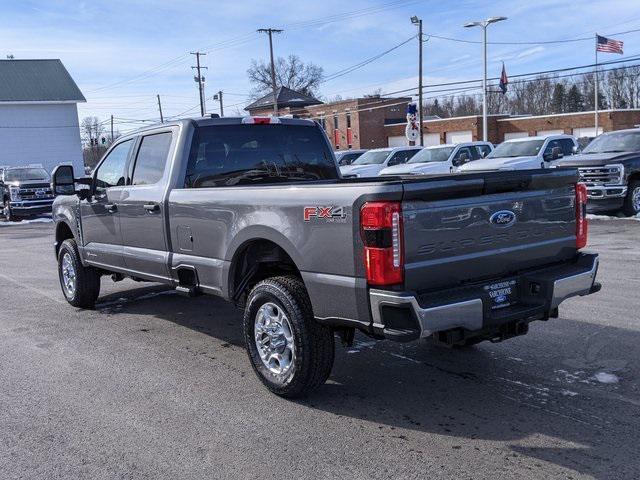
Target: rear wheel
{"points": [[290, 352], [80, 284], [631, 205]]}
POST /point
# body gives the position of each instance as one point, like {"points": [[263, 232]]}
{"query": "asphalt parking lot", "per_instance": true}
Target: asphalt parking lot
{"points": [[154, 385]]}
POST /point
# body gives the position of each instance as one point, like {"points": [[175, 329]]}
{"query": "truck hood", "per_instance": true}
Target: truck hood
{"points": [[361, 170], [596, 159], [417, 168], [508, 163]]}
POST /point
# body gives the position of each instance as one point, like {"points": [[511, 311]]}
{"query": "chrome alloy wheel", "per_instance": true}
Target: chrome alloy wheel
{"points": [[274, 338], [635, 199], [68, 276]]}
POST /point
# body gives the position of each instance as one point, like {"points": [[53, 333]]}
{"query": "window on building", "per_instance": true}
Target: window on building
{"points": [[348, 119], [151, 159], [335, 121], [111, 173], [323, 122]]}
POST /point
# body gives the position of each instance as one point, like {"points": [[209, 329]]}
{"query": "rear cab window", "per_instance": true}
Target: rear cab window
{"points": [[229, 155], [152, 159]]}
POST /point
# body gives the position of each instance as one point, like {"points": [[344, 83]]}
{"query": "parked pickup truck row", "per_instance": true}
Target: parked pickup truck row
{"points": [[254, 210]]}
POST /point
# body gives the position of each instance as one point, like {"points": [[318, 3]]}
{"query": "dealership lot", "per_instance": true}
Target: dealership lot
{"points": [[154, 385]]}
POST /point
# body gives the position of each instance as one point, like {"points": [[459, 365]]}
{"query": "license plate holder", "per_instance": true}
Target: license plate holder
{"points": [[502, 294]]}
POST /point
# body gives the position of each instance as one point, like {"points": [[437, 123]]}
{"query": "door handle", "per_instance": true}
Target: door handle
{"points": [[152, 207], [111, 207]]}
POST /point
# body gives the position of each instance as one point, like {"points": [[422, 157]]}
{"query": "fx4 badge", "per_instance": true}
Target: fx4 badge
{"points": [[329, 214]]}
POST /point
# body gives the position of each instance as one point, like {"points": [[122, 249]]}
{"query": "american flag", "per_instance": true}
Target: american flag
{"points": [[608, 45]]}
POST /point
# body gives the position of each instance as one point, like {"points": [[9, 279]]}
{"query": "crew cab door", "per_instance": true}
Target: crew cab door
{"points": [[142, 209], [101, 236]]}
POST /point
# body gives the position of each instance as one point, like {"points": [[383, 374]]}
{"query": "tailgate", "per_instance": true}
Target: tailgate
{"points": [[475, 227]]}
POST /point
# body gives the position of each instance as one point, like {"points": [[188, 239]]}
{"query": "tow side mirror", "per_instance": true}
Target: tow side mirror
{"points": [[62, 181], [556, 153]]}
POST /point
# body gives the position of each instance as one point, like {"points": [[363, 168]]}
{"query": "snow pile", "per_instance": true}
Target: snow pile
{"points": [[592, 216], [25, 222], [604, 377]]}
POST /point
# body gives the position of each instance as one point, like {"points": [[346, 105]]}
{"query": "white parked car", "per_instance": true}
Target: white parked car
{"points": [[440, 159], [525, 153], [371, 162]]}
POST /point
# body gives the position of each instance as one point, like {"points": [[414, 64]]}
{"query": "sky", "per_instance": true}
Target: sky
{"points": [[123, 53]]}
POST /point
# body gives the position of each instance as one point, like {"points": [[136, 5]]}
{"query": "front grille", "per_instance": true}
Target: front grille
{"points": [[35, 193], [607, 175]]}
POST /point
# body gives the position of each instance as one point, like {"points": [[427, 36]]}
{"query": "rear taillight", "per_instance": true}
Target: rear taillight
{"points": [[381, 228], [582, 226]]}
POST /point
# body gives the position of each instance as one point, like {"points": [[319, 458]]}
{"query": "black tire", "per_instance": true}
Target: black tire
{"points": [[87, 279], [313, 342], [7, 214], [629, 208]]}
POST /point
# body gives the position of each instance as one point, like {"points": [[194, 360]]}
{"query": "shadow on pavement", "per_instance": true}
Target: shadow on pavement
{"points": [[466, 395]]}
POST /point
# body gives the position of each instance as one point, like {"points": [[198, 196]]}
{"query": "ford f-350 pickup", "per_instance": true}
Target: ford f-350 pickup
{"points": [[254, 210]]}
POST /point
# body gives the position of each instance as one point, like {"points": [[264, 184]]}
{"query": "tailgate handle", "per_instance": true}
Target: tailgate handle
{"points": [[152, 207]]}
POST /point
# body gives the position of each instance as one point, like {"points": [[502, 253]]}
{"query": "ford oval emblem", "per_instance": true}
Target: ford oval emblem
{"points": [[503, 218]]}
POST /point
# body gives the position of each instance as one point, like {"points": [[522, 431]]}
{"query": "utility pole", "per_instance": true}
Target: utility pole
{"points": [[484, 24], [418, 22], [160, 108], [111, 128], [221, 105], [270, 32], [595, 94], [200, 80]]}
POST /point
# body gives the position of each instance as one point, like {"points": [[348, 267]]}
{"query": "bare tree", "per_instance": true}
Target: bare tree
{"points": [[291, 72], [90, 132]]}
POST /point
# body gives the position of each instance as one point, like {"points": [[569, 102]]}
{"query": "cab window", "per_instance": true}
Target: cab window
{"points": [[151, 159], [402, 156], [111, 172], [483, 150]]}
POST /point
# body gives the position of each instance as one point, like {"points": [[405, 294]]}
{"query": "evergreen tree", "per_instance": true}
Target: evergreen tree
{"points": [[558, 99], [575, 102]]}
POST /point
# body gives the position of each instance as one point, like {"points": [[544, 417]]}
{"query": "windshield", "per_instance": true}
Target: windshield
{"points": [[427, 155], [25, 174], [522, 148], [372, 157], [615, 142]]}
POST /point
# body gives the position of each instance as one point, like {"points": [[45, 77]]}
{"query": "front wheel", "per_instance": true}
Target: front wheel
{"points": [[291, 353], [7, 214], [632, 200], [80, 284]]}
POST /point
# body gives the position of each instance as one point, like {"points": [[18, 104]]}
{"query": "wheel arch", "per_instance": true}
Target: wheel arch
{"points": [[256, 258]]}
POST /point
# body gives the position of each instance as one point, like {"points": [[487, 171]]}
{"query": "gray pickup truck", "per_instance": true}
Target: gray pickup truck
{"points": [[254, 210]]}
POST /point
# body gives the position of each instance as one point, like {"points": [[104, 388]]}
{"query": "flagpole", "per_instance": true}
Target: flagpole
{"points": [[596, 89]]}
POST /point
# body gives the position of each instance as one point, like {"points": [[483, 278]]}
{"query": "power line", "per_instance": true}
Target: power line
{"points": [[361, 64], [541, 42]]}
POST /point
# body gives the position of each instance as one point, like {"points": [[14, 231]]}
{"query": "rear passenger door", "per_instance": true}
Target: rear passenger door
{"points": [[142, 208]]}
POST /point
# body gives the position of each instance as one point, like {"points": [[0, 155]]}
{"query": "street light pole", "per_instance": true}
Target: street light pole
{"points": [[484, 24], [418, 22]]}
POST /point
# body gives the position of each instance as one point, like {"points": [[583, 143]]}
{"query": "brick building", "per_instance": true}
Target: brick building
{"points": [[354, 123], [375, 122], [505, 127]]}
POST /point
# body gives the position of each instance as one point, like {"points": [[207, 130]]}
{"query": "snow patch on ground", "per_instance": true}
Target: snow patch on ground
{"points": [[593, 216], [604, 377], [25, 222]]}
